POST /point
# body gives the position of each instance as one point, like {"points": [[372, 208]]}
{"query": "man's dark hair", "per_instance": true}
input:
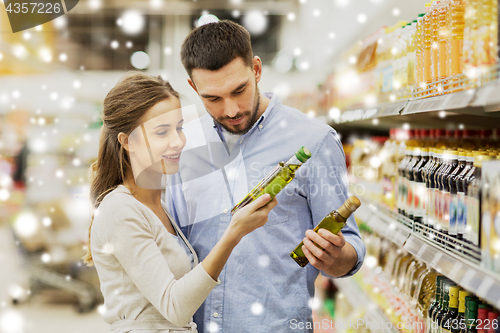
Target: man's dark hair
{"points": [[214, 45]]}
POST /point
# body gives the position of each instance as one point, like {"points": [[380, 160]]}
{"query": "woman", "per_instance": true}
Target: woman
{"points": [[149, 273]]}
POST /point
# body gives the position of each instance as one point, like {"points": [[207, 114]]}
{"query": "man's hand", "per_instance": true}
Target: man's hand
{"points": [[337, 257]]}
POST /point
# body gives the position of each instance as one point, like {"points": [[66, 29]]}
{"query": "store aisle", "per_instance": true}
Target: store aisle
{"points": [[41, 313]]}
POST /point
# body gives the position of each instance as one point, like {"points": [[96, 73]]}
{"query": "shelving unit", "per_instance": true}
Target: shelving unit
{"points": [[464, 271], [357, 298], [464, 106]]}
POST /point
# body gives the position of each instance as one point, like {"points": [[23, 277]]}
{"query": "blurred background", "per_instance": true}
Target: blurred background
{"points": [[328, 58]]}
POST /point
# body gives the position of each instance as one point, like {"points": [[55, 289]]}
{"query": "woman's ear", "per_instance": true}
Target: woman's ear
{"points": [[123, 139]]}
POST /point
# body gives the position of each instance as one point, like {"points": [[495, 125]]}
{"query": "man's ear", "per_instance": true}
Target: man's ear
{"points": [[191, 83], [257, 68], [123, 139]]}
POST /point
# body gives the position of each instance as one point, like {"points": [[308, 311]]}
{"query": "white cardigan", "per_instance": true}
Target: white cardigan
{"points": [[146, 276]]}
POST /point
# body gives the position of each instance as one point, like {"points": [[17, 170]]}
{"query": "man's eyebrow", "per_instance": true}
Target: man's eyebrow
{"points": [[241, 86], [168, 125]]}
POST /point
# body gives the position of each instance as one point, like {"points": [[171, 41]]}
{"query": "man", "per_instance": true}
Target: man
{"points": [[246, 134]]}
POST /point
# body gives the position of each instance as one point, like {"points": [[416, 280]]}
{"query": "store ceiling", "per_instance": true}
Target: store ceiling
{"points": [[189, 7]]}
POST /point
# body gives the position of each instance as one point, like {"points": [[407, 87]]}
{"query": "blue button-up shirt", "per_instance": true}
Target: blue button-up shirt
{"points": [[262, 289]]}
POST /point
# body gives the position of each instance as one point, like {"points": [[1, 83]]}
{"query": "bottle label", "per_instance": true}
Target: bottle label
{"points": [[453, 215], [495, 242], [437, 203], [485, 239], [430, 207], [460, 213], [419, 200], [409, 201], [401, 193], [445, 210], [472, 223]]}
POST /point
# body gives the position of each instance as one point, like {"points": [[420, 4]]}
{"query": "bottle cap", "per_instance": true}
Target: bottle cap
{"points": [[303, 154], [461, 304], [485, 133], [478, 160], [454, 296], [450, 133], [421, 15], [349, 206], [458, 133]]}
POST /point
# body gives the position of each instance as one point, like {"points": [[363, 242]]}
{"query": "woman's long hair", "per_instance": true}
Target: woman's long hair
{"points": [[124, 106]]}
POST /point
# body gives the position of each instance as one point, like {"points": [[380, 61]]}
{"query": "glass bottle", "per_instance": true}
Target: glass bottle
{"points": [[458, 323], [445, 306], [402, 180], [474, 203], [419, 199], [410, 182], [437, 192], [277, 179], [434, 305], [333, 222], [461, 207], [452, 312], [452, 183], [451, 160]]}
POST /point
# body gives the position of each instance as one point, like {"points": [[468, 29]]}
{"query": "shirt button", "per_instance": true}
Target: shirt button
{"points": [[216, 314], [260, 126], [225, 211]]}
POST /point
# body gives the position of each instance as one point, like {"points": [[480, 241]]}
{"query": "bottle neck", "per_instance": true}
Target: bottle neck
{"points": [[293, 161]]}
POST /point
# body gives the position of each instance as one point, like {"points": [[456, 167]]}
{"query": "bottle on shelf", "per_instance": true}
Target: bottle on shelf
{"points": [[452, 163], [456, 42], [471, 314], [444, 35], [473, 224], [436, 304], [461, 189], [410, 183], [458, 323], [419, 199], [427, 47], [454, 200], [452, 310], [440, 315], [333, 222], [277, 179], [435, 44], [402, 190]]}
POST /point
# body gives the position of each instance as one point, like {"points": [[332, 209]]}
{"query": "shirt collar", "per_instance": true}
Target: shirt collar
{"points": [[273, 107]]}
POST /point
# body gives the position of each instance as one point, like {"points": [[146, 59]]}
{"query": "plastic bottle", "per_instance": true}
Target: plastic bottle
{"points": [[435, 44], [427, 32], [411, 67], [419, 52], [444, 35], [410, 182], [470, 40]]}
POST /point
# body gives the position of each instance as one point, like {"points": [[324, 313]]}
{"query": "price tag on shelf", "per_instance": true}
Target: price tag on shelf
{"points": [[436, 259], [455, 270], [422, 250], [488, 94], [485, 286], [467, 279], [459, 99]]}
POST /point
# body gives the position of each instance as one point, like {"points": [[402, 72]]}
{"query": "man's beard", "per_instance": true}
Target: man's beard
{"points": [[251, 120]]}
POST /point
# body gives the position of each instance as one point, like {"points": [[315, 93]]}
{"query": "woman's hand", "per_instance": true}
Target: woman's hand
{"points": [[244, 221], [251, 217]]}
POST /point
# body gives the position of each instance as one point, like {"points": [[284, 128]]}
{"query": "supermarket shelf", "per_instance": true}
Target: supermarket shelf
{"points": [[357, 298], [482, 101], [463, 270]]}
